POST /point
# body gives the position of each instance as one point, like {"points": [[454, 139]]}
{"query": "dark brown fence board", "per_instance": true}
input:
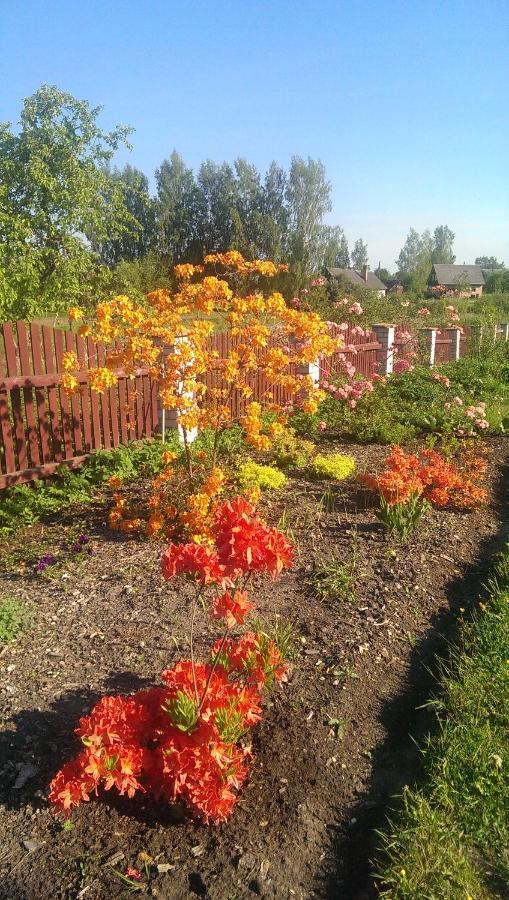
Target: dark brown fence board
{"points": [[47, 343], [65, 407], [94, 399], [7, 459], [70, 346], [85, 404], [104, 401], [40, 394], [147, 411], [131, 415], [123, 410], [17, 412], [28, 393]]}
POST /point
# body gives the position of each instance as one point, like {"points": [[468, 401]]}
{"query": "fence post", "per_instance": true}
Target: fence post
{"points": [[430, 336], [311, 370], [455, 338], [385, 335], [168, 417], [504, 331]]}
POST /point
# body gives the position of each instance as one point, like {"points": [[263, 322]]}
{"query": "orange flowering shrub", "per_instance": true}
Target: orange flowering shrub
{"points": [[170, 334], [182, 742], [428, 474]]}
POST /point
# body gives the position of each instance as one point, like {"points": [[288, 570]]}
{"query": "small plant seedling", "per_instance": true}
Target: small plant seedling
{"points": [[337, 727], [347, 672], [132, 886], [333, 580], [401, 518]]}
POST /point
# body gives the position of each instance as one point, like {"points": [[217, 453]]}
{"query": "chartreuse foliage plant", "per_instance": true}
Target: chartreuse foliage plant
{"points": [[184, 740], [251, 474], [450, 838], [336, 466], [170, 334]]}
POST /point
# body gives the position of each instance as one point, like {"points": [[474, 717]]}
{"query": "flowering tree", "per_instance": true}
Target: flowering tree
{"points": [[171, 335]]}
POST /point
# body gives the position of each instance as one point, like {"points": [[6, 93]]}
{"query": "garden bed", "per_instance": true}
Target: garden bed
{"points": [[333, 744]]}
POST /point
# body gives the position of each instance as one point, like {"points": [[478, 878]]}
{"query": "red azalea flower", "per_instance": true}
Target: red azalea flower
{"points": [[232, 608], [194, 560]]}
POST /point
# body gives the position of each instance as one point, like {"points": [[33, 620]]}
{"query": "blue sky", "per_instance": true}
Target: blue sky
{"points": [[406, 103]]}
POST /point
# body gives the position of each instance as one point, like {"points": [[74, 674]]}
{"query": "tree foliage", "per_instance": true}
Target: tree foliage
{"points": [[55, 188], [359, 254], [488, 262]]}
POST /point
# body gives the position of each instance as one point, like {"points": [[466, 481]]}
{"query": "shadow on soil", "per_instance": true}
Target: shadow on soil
{"points": [[397, 760]]}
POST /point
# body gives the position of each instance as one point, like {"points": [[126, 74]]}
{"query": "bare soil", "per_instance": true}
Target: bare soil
{"points": [[336, 742]]}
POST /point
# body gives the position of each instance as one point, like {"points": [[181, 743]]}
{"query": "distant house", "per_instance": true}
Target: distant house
{"points": [[469, 279], [362, 278], [395, 286]]}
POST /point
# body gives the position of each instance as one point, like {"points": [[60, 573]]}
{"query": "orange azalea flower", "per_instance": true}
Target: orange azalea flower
{"points": [[232, 608]]}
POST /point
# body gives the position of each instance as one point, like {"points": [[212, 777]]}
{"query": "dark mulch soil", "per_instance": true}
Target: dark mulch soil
{"points": [[304, 824]]}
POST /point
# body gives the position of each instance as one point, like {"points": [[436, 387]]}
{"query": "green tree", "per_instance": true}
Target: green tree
{"points": [[308, 198], [179, 211], [275, 214], [359, 254], [336, 253], [408, 259], [488, 262], [136, 241], [219, 225], [55, 188], [443, 239], [498, 281]]}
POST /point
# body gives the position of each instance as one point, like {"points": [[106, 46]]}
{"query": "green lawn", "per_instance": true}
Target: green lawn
{"points": [[451, 839]]}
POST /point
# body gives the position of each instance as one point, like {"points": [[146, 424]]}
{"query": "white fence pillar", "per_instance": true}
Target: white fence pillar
{"points": [[385, 335], [504, 331], [168, 420], [430, 338], [454, 335]]}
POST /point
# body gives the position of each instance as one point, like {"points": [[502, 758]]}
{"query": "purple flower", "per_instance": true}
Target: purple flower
{"points": [[44, 561]]}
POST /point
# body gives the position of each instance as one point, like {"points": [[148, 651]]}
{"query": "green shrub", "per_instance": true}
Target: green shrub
{"points": [[251, 474], [337, 466], [413, 403], [27, 503], [289, 451], [13, 618]]}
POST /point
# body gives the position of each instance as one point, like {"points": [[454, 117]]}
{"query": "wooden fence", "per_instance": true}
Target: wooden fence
{"points": [[41, 427]]}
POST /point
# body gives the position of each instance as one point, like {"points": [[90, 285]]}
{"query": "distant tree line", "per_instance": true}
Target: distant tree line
{"points": [[71, 225]]}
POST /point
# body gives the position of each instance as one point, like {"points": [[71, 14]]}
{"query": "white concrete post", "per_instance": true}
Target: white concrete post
{"points": [[311, 370], [430, 336], [454, 335], [385, 335], [168, 417], [504, 331]]}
